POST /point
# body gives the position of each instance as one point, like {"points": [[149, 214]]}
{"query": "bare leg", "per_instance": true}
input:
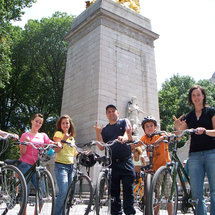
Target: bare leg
{"points": [[40, 207], [157, 209], [170, 208]]}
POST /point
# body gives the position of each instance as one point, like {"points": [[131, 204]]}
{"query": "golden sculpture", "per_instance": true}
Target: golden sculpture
{"points": [[88, 3], [131, 4]]}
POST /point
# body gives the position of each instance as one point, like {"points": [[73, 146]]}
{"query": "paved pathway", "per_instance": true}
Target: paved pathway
{"points": [[31, 212]]}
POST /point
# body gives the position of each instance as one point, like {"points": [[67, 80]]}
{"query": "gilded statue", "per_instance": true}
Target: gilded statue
{"points": [[131, 4]]}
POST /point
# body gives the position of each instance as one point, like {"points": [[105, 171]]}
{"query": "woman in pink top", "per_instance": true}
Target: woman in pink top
{"points": [[29, 155]]}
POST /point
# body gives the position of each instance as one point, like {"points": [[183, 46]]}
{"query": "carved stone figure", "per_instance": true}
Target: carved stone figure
{"points": [[133, 115]]}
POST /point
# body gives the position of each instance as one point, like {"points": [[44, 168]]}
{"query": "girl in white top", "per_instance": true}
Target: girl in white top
{"points": [[138, 159]]}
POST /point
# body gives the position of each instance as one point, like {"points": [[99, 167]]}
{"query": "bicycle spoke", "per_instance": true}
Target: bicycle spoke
{"points": [[164, 196], [79, 197], [12, 186], [46, 194], [103, 200]]}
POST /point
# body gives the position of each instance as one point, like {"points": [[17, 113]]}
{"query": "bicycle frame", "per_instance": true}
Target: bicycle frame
{"points": [[178, 169], [138, 185], [37, 168]]}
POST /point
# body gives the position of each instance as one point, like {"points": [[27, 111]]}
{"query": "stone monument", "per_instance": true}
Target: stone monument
{"points": [[110, 58]]}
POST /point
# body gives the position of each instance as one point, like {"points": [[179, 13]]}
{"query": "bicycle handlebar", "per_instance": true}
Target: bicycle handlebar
{"points": [[128, 142], [8, 136], [68, 143], [108, 144], [172, 134], [37, 148]]}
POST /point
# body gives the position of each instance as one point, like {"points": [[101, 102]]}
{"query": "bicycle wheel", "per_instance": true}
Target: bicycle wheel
{"points": [[79, 197], [103, 199], [45, 195], [13, 194], [147, 187], [163, 194]]}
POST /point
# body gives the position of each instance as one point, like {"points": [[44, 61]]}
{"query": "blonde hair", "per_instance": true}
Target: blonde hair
{"points": [[139, 150]]}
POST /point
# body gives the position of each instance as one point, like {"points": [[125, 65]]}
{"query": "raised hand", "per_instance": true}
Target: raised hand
{"points": [[178, 122], [66, 136], [129, 131], [98, 129]]}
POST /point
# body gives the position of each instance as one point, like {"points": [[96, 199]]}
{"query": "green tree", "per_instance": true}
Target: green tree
{"points": [[173, 98], [37, 78], [9, 10], [12, 9]]}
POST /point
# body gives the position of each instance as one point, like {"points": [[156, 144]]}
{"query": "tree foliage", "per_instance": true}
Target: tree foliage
{"points": [[9, 10], [38, 66], [12, 9]]}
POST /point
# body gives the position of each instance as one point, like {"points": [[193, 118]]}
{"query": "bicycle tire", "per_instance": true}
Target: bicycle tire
{"points": [[12, 186], [148, 189], [45, 195], [102, 198], [79, 197], [160, 192]]}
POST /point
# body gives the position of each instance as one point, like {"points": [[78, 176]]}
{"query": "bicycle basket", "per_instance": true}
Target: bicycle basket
{"points": [[87, 160]]}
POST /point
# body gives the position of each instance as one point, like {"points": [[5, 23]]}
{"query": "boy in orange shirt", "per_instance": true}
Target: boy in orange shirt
{"points": [[161, 152]]}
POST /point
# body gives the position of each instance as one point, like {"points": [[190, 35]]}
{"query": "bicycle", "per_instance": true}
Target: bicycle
{"points": [[164, 189], [79, 197], [12, 184], [142, 188], [103, 185], [103, 197], [44, 196]]}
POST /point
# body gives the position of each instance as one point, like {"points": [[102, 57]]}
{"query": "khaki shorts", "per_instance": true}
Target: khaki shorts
{"points": [[168, 185]]}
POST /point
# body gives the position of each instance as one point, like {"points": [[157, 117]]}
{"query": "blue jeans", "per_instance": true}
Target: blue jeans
{"points": [[201, 163], [24, 167], [63, 175]]}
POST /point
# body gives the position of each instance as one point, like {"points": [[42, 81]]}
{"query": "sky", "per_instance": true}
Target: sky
{"points": [[186, 28]]}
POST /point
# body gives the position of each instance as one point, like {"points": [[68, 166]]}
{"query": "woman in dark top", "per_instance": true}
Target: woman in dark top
{"points": [[202, 146]]}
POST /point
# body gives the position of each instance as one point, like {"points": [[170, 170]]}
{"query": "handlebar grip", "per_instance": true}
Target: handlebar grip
{"points": [[155, 133], [130, 141], [88, 144], [63, 141], [20, 143]]}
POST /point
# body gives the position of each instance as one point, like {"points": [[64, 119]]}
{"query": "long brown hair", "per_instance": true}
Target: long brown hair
{"points": [[71, 128], [37, 115], [190, 102]]}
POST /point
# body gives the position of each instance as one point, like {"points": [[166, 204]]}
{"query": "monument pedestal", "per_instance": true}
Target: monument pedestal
{"points": [[110, 59]]}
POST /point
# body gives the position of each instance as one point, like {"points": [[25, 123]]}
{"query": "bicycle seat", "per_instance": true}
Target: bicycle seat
{"points": [[13, 162]]}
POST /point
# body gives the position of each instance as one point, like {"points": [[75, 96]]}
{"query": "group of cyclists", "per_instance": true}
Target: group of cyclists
{"points": [[201, 152]]}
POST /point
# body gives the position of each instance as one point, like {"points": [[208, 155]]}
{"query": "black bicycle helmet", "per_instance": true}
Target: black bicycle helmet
{"points": [[148, 119], [87, 160]]}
